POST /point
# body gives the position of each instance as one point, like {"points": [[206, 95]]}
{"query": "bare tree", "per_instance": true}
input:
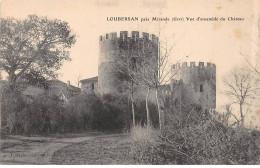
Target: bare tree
{"points": [[138, 70], [124, 67], [228, 115], [78, 78], [145, 69], [162, 74], [242, 88]]}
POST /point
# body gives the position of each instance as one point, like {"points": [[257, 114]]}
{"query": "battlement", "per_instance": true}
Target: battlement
{"points": [[193, 65], [124, 35]]}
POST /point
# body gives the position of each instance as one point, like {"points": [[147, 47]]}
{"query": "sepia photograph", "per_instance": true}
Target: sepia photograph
{"points": [[129, 82]]}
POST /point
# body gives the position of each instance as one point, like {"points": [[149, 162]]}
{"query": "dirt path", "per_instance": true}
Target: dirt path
{"points": [[100, 150], [34, 150], [86, 149]]}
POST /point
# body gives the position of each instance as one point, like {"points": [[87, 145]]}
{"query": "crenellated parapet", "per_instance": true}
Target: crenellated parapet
{"points": [[193, 71], [131, 35], [200, 65]]}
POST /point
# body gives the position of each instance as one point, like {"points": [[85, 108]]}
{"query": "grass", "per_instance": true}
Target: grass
{"points": [[101, 150], [143, 134], [138, 147]]}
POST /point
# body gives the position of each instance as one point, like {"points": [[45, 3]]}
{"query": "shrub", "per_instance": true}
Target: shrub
{"points": [[81, 111], [111, 113], [140, 116], [208, 143], [144, 145], [191, 136], [12, 103]]}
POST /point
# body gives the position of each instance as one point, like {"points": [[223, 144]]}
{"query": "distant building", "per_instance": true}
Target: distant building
{"points": [[56, 87], [89, 85], [33, 90], [53, 87]]}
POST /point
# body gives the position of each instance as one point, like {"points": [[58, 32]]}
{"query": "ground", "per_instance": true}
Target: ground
{"points": [[68, 149], [91, 148]]}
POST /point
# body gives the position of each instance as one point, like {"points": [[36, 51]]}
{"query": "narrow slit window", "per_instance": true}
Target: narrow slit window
{"points": [[201, 88], [92, 86]]}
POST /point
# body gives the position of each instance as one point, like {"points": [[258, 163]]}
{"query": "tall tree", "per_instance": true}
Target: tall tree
{"points": [[145, 68], [242, 88], [134, 68], [34, 44]]}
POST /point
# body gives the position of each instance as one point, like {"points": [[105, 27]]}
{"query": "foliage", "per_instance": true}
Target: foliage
{"points": [[36, 44], [10, 107], [45, 114], [141, 117], [191, 137], [34, 78], [40, 114]]}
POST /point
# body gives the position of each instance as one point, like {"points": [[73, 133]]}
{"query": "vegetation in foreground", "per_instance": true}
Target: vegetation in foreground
{"points": [[189, 135], [45, 114]]}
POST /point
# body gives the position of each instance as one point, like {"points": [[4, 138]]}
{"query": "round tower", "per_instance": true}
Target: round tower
{"points": [[199, 81], [114, 47]]}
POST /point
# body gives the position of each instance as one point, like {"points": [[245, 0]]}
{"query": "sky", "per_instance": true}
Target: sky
{"points": [[220, 42]]}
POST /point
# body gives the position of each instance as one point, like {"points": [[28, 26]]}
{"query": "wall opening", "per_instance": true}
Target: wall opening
{"points": [[92, 86], [201, 88]]}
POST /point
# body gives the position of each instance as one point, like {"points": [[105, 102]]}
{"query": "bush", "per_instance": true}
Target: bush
{"points": [[140, 113], [144, 145], [112, 113], [44, 114], [208, 143], [81, 111], [12, 103], [192, 136]]}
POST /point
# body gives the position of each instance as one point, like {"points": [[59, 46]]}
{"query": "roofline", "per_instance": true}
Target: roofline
{"points": [[89, 79]]}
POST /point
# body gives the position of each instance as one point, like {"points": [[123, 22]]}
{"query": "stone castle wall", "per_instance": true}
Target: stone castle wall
{"points": [[199, 81], [114, 47]]}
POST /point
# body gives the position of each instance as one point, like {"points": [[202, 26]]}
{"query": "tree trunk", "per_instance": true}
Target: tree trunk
{"points": [[12, 83], [147, 107], [241, 114], [133, 108], [132, 102], [159, 110]]}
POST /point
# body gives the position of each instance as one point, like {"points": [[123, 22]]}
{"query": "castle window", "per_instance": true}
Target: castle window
{"points": [[92, 86], [150, 37], [201, 88], [123, 37], [106, 36]]}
